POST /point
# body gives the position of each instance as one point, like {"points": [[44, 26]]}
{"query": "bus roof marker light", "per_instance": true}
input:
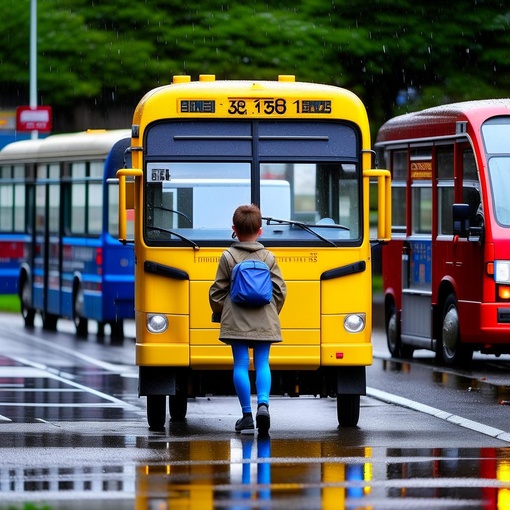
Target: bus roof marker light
{"points": [[181, 78], [207, 77], [286, 77]]}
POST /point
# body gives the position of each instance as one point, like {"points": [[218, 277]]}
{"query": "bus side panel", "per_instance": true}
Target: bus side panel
{"points": [[11, 258], [392, 271], [118, 280], [169, 348], [171, 297], [160, 293], [340, 347]]}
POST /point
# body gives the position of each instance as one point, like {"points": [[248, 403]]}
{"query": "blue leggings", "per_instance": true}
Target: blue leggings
{"points": [[262, 372]]}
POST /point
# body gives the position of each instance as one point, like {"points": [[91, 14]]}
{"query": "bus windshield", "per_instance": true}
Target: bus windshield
{"points": [[496, 133], [197, 200]]}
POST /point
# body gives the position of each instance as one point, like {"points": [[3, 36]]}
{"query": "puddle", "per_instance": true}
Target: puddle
{"points": [[246, 472]]}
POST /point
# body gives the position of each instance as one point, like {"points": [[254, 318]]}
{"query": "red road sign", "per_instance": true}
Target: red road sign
{"points": [[38, 118]]}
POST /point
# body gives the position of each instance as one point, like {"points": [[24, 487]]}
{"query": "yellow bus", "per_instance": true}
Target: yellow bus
{"points": [[300, 151]]}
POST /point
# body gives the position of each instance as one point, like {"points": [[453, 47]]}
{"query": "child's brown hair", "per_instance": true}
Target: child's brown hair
{"points": [[247, 219]]}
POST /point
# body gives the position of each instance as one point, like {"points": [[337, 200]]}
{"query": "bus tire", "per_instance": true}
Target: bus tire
{"points": [[80, 323], [117, 331], [394, 340], [156, 411], [393, 333], [49, 321], [27, 312], [178, 405], [347, 410], [454, 353]]}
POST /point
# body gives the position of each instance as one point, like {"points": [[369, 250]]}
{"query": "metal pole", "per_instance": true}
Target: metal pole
{"points": [[33, 58]]}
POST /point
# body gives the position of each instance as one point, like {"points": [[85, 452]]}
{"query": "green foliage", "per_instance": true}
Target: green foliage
{"points": [[101, 52], [9, 303]]}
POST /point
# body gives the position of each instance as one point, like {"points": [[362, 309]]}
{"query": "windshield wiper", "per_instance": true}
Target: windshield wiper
{"points": [[175, 211], [299, 224], [171, 232]]}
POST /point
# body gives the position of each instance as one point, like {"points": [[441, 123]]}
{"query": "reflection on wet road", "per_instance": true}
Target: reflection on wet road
{"points": [[246, 472], [73, 434]]}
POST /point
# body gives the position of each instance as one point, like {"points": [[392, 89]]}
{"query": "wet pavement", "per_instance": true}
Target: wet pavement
{"points": [[73, 434]]}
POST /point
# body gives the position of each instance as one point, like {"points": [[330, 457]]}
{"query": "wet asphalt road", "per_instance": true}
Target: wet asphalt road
{"points": [[73, 435]]}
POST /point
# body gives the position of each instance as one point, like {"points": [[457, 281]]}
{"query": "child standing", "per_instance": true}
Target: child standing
{"points": [[243, 328]]}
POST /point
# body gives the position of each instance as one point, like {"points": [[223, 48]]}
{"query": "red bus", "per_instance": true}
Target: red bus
{"points": [[446, 270]]}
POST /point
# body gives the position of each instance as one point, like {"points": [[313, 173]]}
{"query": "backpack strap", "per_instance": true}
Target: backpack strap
{"points": [[266, 252], [232, 257]]}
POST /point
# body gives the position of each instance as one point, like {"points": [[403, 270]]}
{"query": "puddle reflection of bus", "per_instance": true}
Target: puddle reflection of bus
{"points": [[486, 472], [248, 472], [58, 230]]}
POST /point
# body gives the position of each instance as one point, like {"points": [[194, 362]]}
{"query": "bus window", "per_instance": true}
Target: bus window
{"points": [[40, 208], [78, 194], [398, 191], [19, 199], [54, 208], [495, 137], [314, 189], [422, 210], [95, 198], [444, 162], [6, 201], [499, 169], [95, 208], [471, 187]]}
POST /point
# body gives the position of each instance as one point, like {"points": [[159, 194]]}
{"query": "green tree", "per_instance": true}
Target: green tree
{"points": [[99, 55]]}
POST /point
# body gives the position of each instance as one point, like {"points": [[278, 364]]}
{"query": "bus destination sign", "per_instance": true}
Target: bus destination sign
{"points": [[259, 106]]}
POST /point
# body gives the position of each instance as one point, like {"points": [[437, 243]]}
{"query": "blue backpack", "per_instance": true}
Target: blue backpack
{"points": [[251, 284]]}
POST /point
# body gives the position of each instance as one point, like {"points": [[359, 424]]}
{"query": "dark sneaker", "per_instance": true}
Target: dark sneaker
{"points": [[245, 425], [263, 419]]}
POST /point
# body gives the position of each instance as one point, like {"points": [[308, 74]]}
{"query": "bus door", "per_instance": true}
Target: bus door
{"points": [[416, 321], [467, 256], [46, 277]]}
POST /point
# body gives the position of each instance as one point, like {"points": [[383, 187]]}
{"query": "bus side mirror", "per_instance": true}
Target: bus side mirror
{"points": [[383, 202], [460, 213], [126, 199]]}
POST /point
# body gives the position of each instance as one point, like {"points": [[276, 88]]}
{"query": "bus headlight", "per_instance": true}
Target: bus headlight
{"points": [[156, 323], [354, 323], [502, 271]]}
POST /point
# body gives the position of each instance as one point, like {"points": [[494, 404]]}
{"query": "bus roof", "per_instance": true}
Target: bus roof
{"points": [[91, 143], [441, 121]]}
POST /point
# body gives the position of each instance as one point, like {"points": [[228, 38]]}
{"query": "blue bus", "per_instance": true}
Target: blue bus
{"points": [[58, 230]]}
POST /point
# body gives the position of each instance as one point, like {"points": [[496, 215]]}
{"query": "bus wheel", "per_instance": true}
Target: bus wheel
{"points": [[49, 321], [454, 353], [395, 346], [393, 334], [27, 312], [178, 406], [117, 330], [81, 323], [156, 411], [347, 410]]}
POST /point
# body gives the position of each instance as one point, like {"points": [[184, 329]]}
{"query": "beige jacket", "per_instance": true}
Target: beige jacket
{"points": [[239, 323]]}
